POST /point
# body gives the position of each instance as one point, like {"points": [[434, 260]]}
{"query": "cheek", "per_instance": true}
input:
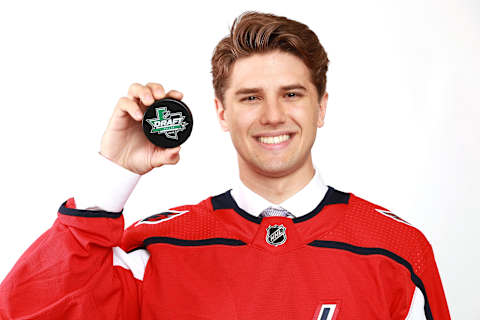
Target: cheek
{"points": [[306, 117], [241, 122]]}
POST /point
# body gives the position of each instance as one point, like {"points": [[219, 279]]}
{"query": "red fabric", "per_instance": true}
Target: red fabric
{"points": [[68, 272]]}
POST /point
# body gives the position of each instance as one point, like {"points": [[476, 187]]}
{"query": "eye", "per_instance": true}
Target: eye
{"points": [[250, 99], [293, 95]]}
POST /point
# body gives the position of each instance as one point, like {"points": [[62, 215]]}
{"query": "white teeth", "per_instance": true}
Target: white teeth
{"points": [[274, 140]]}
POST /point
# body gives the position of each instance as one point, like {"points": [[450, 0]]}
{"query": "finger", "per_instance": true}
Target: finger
{"points": [[165, 156], [175, 94], [157, 90], [130, 107], [173, 156], [143, 93]]}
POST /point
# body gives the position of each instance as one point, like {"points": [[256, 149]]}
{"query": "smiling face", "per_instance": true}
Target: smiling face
{"points": [[272, 110]]}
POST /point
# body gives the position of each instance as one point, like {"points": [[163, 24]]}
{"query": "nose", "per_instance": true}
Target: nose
{"points": [[273, 113]]}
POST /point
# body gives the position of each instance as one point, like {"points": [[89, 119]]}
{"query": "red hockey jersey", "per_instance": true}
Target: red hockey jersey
{"points": [[347, 259]]}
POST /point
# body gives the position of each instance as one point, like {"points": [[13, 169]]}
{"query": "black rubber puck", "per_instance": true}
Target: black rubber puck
{"points": [[167, 123]]}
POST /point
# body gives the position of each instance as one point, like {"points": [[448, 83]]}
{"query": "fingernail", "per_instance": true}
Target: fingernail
{"points": [[147, 98], [158, 92], [138, 115]]}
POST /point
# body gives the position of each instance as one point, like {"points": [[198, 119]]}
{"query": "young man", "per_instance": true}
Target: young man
{"points": [[281, 244]]}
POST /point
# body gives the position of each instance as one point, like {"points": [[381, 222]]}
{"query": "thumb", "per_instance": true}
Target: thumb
{"points": [[165, 156]]}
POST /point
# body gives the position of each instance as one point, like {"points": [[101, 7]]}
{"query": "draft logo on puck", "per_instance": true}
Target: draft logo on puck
{"points": [[167, 123]]}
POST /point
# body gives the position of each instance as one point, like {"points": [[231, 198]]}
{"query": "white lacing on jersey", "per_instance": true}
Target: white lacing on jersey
{"points": [[135, 261]]}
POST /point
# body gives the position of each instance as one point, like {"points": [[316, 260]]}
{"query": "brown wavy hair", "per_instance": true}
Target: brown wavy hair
{"points": [[254, 32]]}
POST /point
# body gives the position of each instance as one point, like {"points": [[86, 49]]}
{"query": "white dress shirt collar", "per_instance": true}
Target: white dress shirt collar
{"points": [[301, 203]]}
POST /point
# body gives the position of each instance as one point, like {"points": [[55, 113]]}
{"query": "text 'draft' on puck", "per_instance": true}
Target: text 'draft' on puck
{"points": [[167, 123]]}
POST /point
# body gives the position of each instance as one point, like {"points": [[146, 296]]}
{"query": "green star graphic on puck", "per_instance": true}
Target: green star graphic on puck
{"points": [[167, 123]]}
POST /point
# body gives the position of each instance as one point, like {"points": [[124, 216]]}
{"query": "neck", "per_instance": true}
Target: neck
{"points": [[276, 188]]}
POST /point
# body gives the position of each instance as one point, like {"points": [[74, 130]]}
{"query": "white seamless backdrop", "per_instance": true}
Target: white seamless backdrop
{"points": [[401, 126]]}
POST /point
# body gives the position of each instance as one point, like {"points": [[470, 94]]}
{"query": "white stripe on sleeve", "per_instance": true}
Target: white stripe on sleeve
{"points": [[417, 305]]}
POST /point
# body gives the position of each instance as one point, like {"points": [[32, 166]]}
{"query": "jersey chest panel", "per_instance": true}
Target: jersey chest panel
{"points": [[245, 282]]}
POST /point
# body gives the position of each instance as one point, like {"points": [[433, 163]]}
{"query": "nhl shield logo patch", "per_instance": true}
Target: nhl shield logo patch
{"points": [[276, 235]]}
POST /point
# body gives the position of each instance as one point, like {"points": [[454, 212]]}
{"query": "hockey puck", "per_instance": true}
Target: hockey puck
{"points": [[167, 123]]}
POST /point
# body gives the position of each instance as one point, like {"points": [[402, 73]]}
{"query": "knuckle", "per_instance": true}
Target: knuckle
{"points": [[145, 91], [126, 103], [175, 93], [136, 90], [123, 101], [154, 85], [133, 86], [157, 89]]}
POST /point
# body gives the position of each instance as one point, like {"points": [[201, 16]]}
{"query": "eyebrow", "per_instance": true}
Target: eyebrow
{"points": [[293, 86], [255, 90], [247, 91]]}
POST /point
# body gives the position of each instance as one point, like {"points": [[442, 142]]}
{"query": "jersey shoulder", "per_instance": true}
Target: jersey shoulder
{"points": [[369, 226], [186, 222]]}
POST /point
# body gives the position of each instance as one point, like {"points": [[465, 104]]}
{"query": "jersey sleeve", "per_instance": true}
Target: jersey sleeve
{"points": [[433, 289], [75, 270]]}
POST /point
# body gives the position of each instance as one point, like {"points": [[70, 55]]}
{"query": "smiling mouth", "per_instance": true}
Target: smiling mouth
{"points": [[274, 140]]}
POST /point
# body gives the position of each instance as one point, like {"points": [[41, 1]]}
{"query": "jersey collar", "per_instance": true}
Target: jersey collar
{"points": [[300, 204]]}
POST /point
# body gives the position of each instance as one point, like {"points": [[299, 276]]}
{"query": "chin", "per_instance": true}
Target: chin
{"points": [[275, 168]]}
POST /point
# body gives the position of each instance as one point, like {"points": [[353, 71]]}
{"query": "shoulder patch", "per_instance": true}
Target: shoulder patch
{"points": [[392, 216], [161, 217]]}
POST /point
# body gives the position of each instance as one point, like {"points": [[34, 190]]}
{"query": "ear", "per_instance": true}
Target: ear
{"points": [[323, 110], [221, 114]]}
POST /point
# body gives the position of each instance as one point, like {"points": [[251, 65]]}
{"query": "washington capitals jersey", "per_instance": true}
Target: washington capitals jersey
{"points": [[347, 259]]}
